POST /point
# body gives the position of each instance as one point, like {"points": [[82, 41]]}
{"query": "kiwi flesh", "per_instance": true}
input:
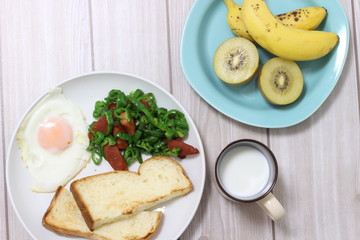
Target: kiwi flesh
{"points": [[280, 81], [236, 60]]}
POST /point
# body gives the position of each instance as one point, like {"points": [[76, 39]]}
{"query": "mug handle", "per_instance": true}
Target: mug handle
{"points": [[272, 207]]}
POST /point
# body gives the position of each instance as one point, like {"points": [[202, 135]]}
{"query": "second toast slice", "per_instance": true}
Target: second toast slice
{"points": [[109, 197], [64, 217]]}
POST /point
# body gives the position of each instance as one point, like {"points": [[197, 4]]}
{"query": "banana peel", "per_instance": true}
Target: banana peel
{"points": [[283, 41], [308, 18]]}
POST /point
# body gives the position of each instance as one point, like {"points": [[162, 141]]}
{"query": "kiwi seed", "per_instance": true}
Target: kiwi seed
{"points": [[236, 60]]}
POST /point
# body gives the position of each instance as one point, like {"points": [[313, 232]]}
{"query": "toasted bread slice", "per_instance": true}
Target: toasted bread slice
{"points": [[64, 217], [109, 197]]}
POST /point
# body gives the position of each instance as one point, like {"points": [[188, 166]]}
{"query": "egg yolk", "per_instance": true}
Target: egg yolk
{"points": [[55, 134]]}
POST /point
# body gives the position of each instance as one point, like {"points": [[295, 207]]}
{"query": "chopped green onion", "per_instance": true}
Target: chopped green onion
{"points": [[153, 125]]}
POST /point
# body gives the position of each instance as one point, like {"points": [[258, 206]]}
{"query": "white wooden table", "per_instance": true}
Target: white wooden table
{"points": [[45, 42]]}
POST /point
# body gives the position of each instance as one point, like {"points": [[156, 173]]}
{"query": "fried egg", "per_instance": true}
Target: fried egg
{"points": [[53, 139]]}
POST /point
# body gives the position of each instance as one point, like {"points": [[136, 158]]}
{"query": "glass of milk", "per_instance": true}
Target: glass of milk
{"points": [[246, 171]]}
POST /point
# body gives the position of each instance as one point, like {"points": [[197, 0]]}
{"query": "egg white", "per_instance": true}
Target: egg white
{"points": [[50, 169]]}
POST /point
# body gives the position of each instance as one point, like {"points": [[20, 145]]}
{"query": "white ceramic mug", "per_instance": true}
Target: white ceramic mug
{"points": [[246, 170]]}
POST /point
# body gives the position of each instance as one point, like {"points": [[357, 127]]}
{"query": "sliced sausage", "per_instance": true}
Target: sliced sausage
{"points": [[186, 149], [129, 126], [114, 157], [120, 143], [144, 102], [100, 126], [112, 106]]}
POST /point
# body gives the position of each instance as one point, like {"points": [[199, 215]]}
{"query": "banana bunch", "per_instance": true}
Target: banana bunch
{"points": [[284, 41], [307, 18]]}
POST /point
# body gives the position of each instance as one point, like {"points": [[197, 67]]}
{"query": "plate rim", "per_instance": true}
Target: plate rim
{"points": [[94, 73], [201, 6]]}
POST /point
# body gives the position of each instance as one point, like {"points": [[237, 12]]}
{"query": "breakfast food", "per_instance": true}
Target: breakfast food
{"points": [[283, 41], [53, 141], [64, 217], [307, 18], [280, 81], [129, 125], [236, 60], [109, 197]]}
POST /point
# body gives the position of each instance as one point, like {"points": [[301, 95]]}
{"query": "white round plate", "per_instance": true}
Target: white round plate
{"points": [[84, 91]]}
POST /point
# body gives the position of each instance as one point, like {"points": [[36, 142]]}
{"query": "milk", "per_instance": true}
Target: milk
{"points": [[244, 171]]}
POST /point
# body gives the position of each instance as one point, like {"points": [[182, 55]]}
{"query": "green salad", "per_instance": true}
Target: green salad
{"points": [[152, 126]]}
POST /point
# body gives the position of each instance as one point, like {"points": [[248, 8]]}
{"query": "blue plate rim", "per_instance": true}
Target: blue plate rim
{"points": [[198, 10]]}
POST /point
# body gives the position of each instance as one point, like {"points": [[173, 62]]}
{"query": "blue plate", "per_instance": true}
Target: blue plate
{"points": [[206, 29]]}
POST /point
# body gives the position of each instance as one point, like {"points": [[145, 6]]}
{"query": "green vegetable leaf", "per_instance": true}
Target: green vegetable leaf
{"points": [[153, 125]]}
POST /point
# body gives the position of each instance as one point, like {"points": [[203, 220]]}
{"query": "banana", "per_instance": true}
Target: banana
{"points": [[234, 20], [307, 18], [284, 41]]}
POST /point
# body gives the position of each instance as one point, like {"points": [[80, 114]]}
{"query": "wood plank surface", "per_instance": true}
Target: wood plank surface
{"points": [[45, 42], [217, 218], [3, 199], [131, 37], [354, 21], [42, 44], [319, 170], [319, 165]]}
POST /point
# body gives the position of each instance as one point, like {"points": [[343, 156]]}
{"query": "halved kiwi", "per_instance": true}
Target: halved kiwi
{"points": [[280, 81], [236, 60]]}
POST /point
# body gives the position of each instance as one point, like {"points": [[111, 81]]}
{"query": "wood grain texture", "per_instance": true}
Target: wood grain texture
{"points": [[216, 218], [3, 199], [319, 165], [355, 23], [42, 43], [131, 37]]}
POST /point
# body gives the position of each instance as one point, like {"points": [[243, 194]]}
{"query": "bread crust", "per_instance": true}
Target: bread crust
{"points": [[83, 209], [58, 230], [71, 232], [86, 213]]}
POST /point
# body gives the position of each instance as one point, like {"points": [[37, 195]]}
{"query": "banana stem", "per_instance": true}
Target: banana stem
{"points": [[230, 4]]}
